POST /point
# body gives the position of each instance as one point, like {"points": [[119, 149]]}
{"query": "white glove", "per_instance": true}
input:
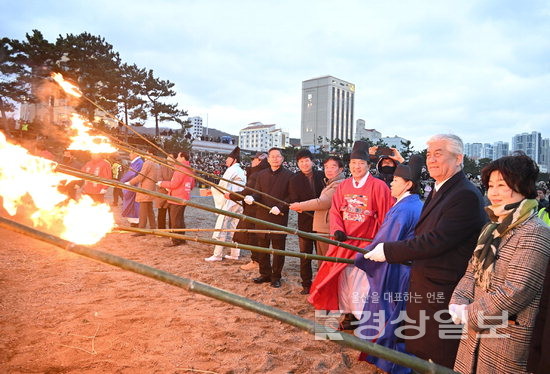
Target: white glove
{"points": [[159, 183], [248, 199], [377, 254], [459, 313], [127, 183], [103, 191], [275, 211]]}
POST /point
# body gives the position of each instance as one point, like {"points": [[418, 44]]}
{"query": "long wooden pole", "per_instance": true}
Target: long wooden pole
{"points": [[312, 327], [304, 234], [251, 231], [253, 248]]}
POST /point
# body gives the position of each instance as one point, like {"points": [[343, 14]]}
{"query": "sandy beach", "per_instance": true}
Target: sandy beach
{"points": [[63, 313]]}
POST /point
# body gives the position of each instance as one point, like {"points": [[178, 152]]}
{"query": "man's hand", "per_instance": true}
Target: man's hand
{"points": [[159, 183], [248, 199], [340, 236], [295, 207], [377, 254], [275, 211]]}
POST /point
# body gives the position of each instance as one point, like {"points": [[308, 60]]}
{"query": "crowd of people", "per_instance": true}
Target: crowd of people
{"points": [[458, 279], [451, 269]]}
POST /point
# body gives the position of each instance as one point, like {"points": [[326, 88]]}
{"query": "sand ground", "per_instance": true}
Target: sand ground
{"points": [[62, 313]]}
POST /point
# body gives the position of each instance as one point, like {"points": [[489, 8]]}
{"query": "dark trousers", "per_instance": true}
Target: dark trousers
{"points": [[161, 216], [266, 269], [146, 213], [306, 246], [177, 220], [253, 240]]}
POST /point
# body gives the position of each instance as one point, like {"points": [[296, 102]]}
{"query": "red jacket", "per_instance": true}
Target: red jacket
{"points": [[181, 184], [100, 168]]}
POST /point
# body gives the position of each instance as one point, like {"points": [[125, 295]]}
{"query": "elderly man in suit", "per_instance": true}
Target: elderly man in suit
{"points": [[445, 237]]}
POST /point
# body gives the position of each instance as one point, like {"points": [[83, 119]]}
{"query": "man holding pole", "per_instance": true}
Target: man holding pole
{"points": [[445, 237], [234, 173], [306, 184], [179, 186], [274, 181]]}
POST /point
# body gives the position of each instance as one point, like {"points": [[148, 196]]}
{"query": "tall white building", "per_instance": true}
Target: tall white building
{"points": [[362, 133], [500, 149], [487, 151], [528, 143], [327, 110], [197, 128], [259, 137], [473, 150]]}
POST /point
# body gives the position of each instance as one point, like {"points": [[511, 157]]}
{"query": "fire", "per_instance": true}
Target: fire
{"points": [[69, 88], [84, 140], [31, 183]]}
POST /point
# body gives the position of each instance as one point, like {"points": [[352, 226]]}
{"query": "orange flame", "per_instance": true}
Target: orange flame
{"points": [[69, 88], [84, 140], [31, 182]]}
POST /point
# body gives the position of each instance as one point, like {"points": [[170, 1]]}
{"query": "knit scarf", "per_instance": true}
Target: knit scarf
{"points": [[483, 260]]}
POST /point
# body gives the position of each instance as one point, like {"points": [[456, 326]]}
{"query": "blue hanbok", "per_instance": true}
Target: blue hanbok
{"points": [[389, 284], [130, 209]]}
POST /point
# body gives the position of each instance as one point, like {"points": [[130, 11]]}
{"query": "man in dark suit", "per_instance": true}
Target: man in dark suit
{"points": [[274, 182], [306, 184], [445, 237]]}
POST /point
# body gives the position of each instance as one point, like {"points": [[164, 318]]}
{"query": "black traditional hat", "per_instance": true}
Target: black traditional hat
{"points": [[412, 170], [303, 153], [360, 151], [235, 154]]}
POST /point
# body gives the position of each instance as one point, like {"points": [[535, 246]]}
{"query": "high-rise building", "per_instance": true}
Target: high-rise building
{"points": [[473, 150], [259, 137], [197, 128], [487, 151], [327, 110], [545, 156], [500, 149], [528, 143]]}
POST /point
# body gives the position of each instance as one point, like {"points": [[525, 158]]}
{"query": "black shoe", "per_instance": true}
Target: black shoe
{"points": [[304, 291], [261, 280], [276, 284], [349, 322]]}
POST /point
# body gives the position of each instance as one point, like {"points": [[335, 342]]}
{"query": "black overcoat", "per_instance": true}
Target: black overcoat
{"points": [[275, 184], [445, 237], [300, 190]]}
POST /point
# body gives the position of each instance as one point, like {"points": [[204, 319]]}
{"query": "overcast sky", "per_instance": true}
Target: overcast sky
{"points": [[478, 69]]}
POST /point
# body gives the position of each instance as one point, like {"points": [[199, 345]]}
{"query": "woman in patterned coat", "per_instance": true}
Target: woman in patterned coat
{"points": [[498, 298]]}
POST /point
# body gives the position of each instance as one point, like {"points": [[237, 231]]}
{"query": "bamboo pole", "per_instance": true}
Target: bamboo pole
{"points": [[252, 231], [191, 285], [113, 183], [205, 181], [253, 248]]}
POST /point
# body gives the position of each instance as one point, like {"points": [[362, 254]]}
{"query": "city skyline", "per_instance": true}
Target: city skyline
{"points": [[477, 69]]}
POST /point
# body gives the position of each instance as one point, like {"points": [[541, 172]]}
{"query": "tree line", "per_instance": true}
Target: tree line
{"points": [[131, 93]]}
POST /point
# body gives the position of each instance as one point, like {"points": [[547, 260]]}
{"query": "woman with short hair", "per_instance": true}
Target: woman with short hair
{"points": [[499, 295]]}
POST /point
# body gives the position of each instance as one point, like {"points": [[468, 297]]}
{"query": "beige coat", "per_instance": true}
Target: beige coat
{"points": [[516, 287], [146, 179], [321, 205]]}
